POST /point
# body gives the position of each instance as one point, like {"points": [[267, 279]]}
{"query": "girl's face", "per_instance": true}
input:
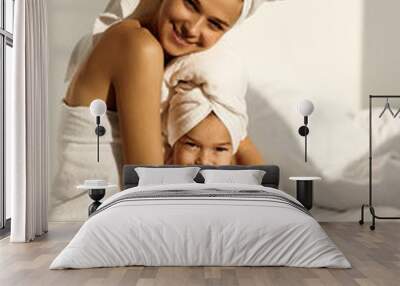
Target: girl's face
{"points": [[209, 143], [187, 26]]}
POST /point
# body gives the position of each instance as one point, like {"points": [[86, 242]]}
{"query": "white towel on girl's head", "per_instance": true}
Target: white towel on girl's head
{"points": [[196, 85]]}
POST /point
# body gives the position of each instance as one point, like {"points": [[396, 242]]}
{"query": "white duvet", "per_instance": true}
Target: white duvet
{"points": [[207, 230]]}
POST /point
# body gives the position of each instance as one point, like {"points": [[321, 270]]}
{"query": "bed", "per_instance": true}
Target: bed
{"points": [[201, 224]]}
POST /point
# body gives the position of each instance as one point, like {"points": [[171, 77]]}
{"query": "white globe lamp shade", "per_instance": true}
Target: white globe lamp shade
{"points": [[98, 107], [306, 107]]}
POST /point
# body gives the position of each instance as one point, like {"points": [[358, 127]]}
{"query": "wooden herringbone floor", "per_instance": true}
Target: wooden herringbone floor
{"points": [[375, 257]]}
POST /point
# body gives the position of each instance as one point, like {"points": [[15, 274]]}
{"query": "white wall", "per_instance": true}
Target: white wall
{"points": [[312, 46], [306, 49], [293, 50], [332, 52], [381, 49]]}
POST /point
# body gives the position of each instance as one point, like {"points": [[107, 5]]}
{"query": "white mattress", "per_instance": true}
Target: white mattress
{"points": [[183, 231]]}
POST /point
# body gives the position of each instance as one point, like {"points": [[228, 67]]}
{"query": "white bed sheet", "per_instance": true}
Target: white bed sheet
{"points": [[206, 231]]}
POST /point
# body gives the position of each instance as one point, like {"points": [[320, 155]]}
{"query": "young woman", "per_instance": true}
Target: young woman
{"points": [[125, 68]]}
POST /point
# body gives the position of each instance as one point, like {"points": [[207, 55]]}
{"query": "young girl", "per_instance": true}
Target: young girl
{"points": [[209, 143]]}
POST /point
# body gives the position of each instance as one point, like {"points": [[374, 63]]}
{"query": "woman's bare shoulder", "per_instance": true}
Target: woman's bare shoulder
{"points": [[129, 35]]}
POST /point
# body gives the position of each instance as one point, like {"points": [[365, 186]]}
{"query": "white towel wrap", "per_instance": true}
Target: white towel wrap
{"points": [[77, 159], [218, 83]]}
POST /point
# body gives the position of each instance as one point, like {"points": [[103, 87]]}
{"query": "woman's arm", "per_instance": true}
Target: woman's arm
{"points": [[125, 69], [137, 82], [248, 154]]}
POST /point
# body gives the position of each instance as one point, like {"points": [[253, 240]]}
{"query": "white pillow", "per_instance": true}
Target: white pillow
{"points": [[162, 176], [249, 177]]}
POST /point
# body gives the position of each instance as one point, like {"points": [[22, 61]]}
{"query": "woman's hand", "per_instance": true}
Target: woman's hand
{"points": [[248, 154]]}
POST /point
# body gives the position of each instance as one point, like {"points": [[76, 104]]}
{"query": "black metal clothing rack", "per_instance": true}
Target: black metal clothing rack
{"points": [[370, 204]]}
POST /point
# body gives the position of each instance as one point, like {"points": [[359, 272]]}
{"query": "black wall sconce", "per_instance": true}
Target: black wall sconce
{"points": [[305, 107], [98, 108]]}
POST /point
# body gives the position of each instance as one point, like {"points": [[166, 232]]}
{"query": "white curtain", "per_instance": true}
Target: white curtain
{"points": [[27, 122]]}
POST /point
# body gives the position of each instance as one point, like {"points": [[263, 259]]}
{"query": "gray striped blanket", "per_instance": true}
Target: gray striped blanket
{"points": [[206, 194]]}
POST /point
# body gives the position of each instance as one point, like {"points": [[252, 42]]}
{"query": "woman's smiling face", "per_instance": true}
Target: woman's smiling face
{"points": [[187, 26]]}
